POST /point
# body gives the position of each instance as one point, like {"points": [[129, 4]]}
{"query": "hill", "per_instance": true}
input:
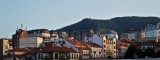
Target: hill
{"points": [[119, 24]]}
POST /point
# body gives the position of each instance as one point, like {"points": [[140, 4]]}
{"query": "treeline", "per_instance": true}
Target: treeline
{"points": [[136, 52], [119, 24]]}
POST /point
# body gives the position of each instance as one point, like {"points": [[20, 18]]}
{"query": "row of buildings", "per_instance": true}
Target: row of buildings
{"points": [[147, 37], [42, 44]]}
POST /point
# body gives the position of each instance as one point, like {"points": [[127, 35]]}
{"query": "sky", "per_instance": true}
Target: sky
{"points": [[55, 14]]}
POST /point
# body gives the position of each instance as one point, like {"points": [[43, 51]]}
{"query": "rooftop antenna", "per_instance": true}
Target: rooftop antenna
{"points": [[21, 26], [26, 28], [17, 27]]}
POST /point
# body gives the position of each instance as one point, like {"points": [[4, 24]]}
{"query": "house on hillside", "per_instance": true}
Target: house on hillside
{"points": [[152, 36]]}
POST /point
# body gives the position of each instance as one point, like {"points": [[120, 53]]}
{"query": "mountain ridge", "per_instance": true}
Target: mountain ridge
{"points": [[119, 24]]}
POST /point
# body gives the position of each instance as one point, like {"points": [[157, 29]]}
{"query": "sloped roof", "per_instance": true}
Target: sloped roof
{"points": [[79, 44], [51, 47], [123, 44], [31, 50], [63, 49], [27, 50], [18, 50], [93, 44]]}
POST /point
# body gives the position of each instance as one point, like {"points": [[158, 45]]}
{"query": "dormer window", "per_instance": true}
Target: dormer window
{"points": [[42, 45]]}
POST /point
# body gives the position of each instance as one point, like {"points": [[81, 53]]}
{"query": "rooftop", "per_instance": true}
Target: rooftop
{"points": [[93, 44], [79, 44]]}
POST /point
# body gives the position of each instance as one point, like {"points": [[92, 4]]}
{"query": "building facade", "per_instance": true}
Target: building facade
{"points": [[19, 34], [30, 42], [108, 45], [4, 47]]}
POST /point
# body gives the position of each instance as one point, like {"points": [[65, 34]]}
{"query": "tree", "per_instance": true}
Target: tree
{"points": [[140, 53], [158, 53], [130, 52], [149, 52]]}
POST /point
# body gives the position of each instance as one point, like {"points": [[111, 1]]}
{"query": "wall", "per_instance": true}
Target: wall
{"points": [[131, 36], [4, 46], [151, 33], [97, 39], [30, 42]]}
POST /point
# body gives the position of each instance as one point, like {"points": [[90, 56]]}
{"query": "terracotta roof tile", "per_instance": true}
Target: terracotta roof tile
{"points": [[93, 44], [31, 50], [50, 47], [123, 44], [78, 44], [57, 49], [18, 50]]}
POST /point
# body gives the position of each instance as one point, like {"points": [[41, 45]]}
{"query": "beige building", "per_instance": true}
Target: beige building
{"points": [[4, 46], [79, 47], [95, 50], [40, 33], [30, 42], [15, 54], [50, 51], [108, 45]]}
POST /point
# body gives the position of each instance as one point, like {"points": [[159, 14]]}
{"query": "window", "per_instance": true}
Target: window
{"points": [[104, 46], [74, 56], [63, 42], [99, 52], [30, 58], [104, 50], [114, 51], [56, 55], [77, 56], [39, 56], [114, 43], [6, 51], [114, 47]]}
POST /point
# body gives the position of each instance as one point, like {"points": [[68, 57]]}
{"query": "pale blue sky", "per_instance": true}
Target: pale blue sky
{"points": [[54, 14]]}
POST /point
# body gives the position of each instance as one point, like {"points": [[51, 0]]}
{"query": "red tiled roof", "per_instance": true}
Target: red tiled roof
{"points": [[93, 44], [18, 50], [51, 47], [78, 44], [57, 49], [128, 41], [9, 40], [123, 44], [31, 50]]}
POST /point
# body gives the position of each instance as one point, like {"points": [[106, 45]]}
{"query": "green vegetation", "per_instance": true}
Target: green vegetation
{"points": [[119, 24]]}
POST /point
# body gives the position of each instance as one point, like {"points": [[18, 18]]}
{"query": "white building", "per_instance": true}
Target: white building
{"points": [[30, 42], [109, 45], [39, 33], [123, 49], [152, 31]]}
